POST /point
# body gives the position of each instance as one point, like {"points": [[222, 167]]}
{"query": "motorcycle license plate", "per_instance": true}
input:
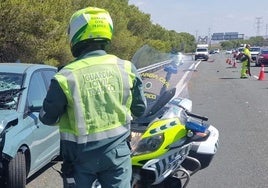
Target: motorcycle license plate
{"points": [[164, 165]]}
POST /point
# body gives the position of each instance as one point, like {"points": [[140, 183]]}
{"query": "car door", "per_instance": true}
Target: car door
{"points": [[46, 141]]}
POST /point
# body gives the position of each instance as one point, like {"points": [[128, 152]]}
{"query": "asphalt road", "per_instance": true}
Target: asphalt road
{"points": [[238, 108]]}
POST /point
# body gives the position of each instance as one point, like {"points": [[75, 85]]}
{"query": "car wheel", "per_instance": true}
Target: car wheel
{"points": [[16, 175], [257, 64]]}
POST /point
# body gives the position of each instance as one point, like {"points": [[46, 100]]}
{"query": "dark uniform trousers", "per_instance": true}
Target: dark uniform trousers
{"points": [[112, 168]]}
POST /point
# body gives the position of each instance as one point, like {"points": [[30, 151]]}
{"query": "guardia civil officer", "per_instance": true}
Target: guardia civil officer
{"points": [[246, 59], [92, 99]]}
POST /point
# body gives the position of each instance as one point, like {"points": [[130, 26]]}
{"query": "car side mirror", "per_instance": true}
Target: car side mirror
{"points": [[36, 106]]}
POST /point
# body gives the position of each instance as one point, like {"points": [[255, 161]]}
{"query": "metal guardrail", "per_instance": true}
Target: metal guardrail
{"points": [[154, 66]]}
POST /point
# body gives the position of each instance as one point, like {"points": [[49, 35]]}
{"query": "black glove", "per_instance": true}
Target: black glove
{"points": [[67, 175]]}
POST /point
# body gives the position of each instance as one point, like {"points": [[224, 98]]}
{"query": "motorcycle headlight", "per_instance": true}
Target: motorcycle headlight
{"points": [[149, 144]]}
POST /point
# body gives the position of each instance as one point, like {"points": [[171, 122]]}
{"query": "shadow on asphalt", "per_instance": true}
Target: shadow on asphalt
{"points": [[42, 170], [229, 78]]}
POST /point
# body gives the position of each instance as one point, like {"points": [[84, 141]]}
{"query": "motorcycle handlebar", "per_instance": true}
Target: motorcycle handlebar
{"points": [[204, 118]]}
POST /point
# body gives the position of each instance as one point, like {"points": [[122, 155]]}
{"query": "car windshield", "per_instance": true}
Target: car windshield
{"points": [[201, 49], [264, 51], [254, 49], [10, 87]]}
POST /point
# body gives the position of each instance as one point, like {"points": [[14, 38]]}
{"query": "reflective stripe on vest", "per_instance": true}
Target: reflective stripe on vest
{"points": [[91, 113]]}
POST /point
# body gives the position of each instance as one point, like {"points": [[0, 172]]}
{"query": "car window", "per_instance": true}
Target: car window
{"points": [[240, 49], [201, 49], [37, 90], [264, 51], [48, 76], [254, 49]]}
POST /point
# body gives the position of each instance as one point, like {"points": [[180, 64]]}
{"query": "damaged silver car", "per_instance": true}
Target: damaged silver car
{"points": [[26, 145]]}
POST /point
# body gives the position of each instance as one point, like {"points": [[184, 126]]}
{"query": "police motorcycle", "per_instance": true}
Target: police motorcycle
{"points": [[169, 142]]}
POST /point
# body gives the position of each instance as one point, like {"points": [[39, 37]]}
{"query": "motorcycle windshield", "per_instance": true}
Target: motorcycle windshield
{"points": [[161, 74]]}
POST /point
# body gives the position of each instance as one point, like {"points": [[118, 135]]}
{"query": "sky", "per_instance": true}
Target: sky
{"points": [[205, 17]]}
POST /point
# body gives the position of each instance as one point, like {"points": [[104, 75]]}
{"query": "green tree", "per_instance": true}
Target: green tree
{"points": [[35, 31]]}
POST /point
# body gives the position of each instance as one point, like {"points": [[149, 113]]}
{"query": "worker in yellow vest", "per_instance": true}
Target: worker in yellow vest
{"points": [[246, 59], [93, 99]]}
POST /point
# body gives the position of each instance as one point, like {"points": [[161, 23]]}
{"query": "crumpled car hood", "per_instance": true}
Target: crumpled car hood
{"points": [[7, 116]]}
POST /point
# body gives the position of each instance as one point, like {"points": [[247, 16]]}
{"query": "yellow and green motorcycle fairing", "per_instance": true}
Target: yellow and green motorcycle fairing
{"points": [[169, 131]]}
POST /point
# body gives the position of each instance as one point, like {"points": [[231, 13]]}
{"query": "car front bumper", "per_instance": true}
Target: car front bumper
{"points": [[201, 56], [263, 62]]}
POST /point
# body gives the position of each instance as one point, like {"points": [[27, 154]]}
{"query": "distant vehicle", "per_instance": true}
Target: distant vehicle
{"points": [[238, 53], [243, 45], [262, 58], [254, 51], [215, 51], [228, 51], [201, 52], [211, 52], [26, 145]]}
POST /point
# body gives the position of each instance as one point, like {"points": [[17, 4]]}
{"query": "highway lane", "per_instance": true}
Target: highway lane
{"points": [[238, 109]]}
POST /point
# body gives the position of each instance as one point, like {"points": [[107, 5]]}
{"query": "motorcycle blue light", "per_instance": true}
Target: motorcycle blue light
{"points": [[196, 127]]}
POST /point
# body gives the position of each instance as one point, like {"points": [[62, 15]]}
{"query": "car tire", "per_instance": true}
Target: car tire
{"points": [[16, 174]]}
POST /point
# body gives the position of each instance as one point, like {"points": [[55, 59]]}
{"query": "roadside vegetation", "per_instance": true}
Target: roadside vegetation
{"points": [[253, 41], [34, 31]]}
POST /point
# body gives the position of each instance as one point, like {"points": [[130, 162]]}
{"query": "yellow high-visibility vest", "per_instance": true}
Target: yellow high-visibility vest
{"points": [[98, 91]]}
